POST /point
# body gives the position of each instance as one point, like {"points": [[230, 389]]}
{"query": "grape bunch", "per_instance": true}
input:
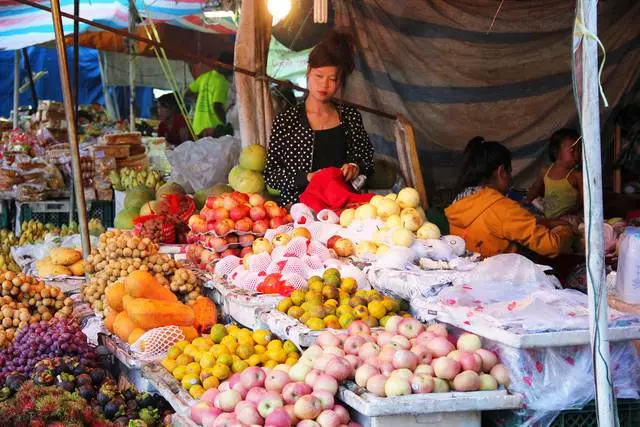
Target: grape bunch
{"points": [[60, 337]]}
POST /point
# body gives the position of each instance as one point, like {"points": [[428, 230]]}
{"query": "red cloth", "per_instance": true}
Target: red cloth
{"points": [[172, 135], [328, 190]]}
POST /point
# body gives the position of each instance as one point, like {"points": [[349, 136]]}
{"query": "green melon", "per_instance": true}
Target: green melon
{"points": [[169, 188], [124, 219], [138, 196]]}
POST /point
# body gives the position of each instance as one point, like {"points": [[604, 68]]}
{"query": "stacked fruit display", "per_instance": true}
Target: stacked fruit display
{"points": [[7, 240], [334, 302], [61, 262], [125, 179], [93, 387], [140, 303], [44, 340], [404, 221], [120, 253], [409, 358], [273, 397], [202, 363], [25, 300], [247, 175], [33, 231]]}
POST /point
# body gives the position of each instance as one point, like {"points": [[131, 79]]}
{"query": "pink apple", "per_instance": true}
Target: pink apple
{"points": [[386, 368], [375, 385], [225, 420], [410, 327], [294, 391], [291, 413], [400, 342], [209, 396], [425, 337], [227, 400], [455, 355], [299, 371], [342, 413], [229, 202], [402, 373], [397, 386], [368, 349], [339, 368], [313, 352], [239, 212], [253, 377], [353, 343], [392, 324], [255, 395], [328, 418], [336, 351], [405, 359], [199, 410], [276, 380], [342, 337], [256, 199], [242, 389], [364, 372], [424, 370], [438, 329], [383, 338], [313, 375], [387, 352], [224, 386], [257, 213], [440, 347], [353, 360], [247, 413], [209, 418], [270, 402], [359, 327], [326, 398], [371, 360], [308, 407], [421, 384], [278, 418], [423, 354], [326, 382], [469, 342], [445, 368], [327, 339], [467, 381], [470, 362], [440, 385], [260, 226], [307, 423], [489, 359], [244, 224]]}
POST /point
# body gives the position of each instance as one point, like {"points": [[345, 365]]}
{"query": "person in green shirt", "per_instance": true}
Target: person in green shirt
{"points": [[212, 90]]}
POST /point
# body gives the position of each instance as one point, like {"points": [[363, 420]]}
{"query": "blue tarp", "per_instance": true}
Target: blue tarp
{"points": [[48, 87]]}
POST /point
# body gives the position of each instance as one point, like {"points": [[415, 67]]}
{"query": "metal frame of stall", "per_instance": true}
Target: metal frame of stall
{"points": [[586, 85]]}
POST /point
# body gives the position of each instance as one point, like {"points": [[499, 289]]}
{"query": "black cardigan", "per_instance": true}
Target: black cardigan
{"points": [[291, 148]]}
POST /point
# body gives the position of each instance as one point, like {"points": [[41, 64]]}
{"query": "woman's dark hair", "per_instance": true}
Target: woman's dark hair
{"points": [[169, 102], [556, 139], [480, 159], [336, 50]]}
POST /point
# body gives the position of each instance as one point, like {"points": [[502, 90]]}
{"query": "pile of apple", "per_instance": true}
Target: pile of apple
{"points": [[272, 397], [239, 212], [408, 358]]}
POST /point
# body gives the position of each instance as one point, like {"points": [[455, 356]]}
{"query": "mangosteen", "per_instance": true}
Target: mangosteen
{"points": [[67, 386], [87, 391], [114, 407], [97, 376], [79, 369], [121, 421], [144, 400], [129, 393], [103, 397], [14, 381], [132, 404], [83, 379], [44, 378]]}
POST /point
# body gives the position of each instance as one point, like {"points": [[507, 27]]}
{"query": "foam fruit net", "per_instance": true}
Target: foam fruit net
{"points": [[155, 343]]}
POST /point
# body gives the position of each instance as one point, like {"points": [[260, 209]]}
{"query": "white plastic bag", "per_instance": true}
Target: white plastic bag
{"points": [[201, 164], [628, 274]]}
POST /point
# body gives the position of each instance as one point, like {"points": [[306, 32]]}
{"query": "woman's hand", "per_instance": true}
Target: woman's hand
{"points": [[310, 175], [350, 171]]}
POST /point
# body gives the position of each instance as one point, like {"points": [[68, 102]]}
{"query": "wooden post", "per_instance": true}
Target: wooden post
{"points": [[71, 127], [409, 160]]}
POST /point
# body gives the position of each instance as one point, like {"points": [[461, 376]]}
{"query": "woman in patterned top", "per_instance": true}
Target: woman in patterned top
{"points": [[319, 132]]}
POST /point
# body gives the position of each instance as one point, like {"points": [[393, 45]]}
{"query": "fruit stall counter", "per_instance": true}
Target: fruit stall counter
{"points": [[434, 409]]}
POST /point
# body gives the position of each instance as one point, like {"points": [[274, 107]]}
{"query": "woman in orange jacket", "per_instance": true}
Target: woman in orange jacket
{"points": [[490, 222]]}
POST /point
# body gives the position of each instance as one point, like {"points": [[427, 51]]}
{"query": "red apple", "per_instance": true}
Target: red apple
{"points": [[197, 224], [343, 247], [239, 212], [260, 226], [222, 227], [273, 211], [228, 202], [288, 219], [210, 226], [246, 239], [242, 198], [246, 251], [209, 215], [270, 203], [276, 222], [211, 202], [257, 212], [217, 243], [331, 243], [220, 214], [256, 200], [244, 224]]}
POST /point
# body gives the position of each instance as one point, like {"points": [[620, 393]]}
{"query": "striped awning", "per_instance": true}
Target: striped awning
{"points": [[23, 26]]}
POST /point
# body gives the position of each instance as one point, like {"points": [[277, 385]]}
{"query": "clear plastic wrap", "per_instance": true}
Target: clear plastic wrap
{"points": [[628, 273]]}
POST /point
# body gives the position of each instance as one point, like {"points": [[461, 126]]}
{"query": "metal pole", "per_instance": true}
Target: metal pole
{"points": [[71, 123], [16, 86], [76, 79], [132, 67], [589, 96], [27, 69]]}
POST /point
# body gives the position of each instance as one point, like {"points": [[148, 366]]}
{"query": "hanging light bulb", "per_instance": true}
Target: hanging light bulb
{"points": [[278, 9], [320, 11]]}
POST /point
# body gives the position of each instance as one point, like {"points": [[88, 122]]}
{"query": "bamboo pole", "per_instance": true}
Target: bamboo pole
{"points": [[589, 96], [71, 123], [16, 86], [197, 58]]}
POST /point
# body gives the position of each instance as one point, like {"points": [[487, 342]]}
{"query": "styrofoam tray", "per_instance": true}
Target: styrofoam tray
{"points": [[120, 350], [422, 404], [178, 420], [169, 388]]}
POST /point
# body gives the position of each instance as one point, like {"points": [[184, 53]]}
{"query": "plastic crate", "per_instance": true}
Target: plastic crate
{"points": [[628, 414], [56, 212]]}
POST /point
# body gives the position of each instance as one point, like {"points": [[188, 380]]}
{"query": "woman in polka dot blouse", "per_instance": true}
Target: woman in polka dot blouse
{"points": [[319, 133]]}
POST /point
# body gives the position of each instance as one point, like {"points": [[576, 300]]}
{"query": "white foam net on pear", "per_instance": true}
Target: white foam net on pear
{"points": [[154, 344]]}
